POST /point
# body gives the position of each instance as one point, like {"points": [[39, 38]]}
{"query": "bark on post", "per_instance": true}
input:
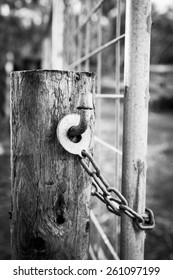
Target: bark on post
{"points": [[137, 55], [50, 189]]}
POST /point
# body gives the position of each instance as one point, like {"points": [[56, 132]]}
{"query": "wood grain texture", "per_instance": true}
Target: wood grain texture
{"points": [[50, 190]]}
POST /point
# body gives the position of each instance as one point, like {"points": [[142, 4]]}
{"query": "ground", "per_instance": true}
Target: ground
{"points": [[159, 186], [159, 242]]}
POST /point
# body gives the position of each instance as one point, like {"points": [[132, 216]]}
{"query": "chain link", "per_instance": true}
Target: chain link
{"points": [[116, 204]]}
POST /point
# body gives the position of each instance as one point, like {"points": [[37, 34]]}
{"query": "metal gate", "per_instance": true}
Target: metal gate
{"points": [[83, 50]]}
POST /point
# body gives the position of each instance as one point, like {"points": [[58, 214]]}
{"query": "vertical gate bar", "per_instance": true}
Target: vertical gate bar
{"points": [[69, 35], [99, 70], [99, 101], [117, 91], [77, 41], [87, 37], [57, 33], [79, 49], [79, 38], [73, 39], [117, 116], [137, 55], [65, 36]]}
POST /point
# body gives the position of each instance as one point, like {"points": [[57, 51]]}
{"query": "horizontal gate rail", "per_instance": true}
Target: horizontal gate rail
{"points": [[109, 96], [96, 51], [105, 144]]}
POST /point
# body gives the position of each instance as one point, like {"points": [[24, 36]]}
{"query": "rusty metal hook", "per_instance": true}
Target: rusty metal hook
{"points": [[85, 106]]}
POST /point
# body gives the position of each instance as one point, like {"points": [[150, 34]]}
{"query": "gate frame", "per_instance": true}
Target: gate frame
{"points": [[136, 97], [137, 54]]}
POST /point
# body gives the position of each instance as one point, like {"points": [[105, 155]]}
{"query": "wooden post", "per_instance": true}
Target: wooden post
{"points": [[50, 189], [137, 55]]}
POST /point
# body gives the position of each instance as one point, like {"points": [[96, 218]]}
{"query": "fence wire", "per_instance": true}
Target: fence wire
{"points": [[78, 55]]}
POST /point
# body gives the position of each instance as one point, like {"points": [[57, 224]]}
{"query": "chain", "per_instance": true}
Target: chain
{"points": [[116, 204]]}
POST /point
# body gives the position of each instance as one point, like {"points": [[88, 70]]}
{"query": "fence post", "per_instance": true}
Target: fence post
{"points": [[137, 54], [50, 189]]}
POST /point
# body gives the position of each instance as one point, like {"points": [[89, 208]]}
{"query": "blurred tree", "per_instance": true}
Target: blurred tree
{"points": [[22, 27], [161, 37]]}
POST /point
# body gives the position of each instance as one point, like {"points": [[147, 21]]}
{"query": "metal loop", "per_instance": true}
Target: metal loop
{"points": [[114, 198], [96, 179], [112, 210], [86, 167], [105, 183], [117, 193], [132, 213], [142, 221], [147, 224], [96, 189], [116, 210], [100, 196], [94, 164]]}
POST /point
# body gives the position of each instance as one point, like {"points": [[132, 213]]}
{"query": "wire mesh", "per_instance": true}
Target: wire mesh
{"points": [[84, 51]]}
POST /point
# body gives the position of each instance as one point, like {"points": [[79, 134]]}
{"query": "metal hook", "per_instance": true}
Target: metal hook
{"points": [[85, 106]]}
